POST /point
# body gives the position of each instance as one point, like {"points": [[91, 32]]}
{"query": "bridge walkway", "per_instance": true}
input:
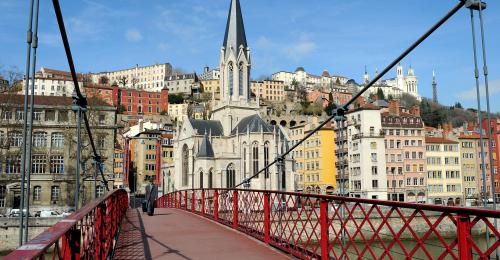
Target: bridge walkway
{"points": [[177, 234]]}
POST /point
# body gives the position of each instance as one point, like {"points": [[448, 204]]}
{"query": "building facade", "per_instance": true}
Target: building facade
{"points": [[397, 86], [149, 78], [50, 82], [53, 178], [405, 153], [367, 162], [270, 90], [444, 178], [185, 84]]}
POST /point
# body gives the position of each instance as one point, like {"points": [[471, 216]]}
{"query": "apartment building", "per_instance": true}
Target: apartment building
{"points": [[185, 84], [51, 82], [405, 153], [53, 178], [149, 78], [270, 90], [444, 176], [211, 86], [367, 162]]}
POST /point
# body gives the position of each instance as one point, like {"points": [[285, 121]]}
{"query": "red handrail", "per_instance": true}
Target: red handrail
{"points": [[311, 226], [90, 232]]}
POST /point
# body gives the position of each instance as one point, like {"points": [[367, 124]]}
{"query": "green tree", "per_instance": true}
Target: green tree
{"points": [[380, 94], [175, 99]]}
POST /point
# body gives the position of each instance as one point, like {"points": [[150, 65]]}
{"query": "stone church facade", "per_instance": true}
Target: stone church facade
{"points": [[236, 143]]}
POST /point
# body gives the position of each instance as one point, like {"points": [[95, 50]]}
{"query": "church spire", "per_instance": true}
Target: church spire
{"points": [[235, 31]]}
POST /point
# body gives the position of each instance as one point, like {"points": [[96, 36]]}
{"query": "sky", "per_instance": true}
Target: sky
{"points": [[340, 36]]}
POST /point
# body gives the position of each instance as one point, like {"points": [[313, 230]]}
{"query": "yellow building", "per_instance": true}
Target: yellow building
{"points": [[315, 158], [444, 178], [211, 86]]}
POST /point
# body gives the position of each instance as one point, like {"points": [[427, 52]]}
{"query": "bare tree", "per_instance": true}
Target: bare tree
{"points": [[104, 80], [134, 81], [11, 74], [123, 80]]}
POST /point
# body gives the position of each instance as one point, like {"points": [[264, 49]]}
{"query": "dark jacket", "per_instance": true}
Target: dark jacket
{"points": [[151, 193]]}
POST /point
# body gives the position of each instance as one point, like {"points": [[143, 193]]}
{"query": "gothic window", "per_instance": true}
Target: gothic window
{"points": [[210, 179], [185, 165], [255, 159], [266, 159], [240, 79], [230, 176], [201, 180], [244, 157], [231, 78]]}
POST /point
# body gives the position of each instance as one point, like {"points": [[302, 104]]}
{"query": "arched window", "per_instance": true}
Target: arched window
{"points": [[230, 78], [266, 159], [37, 193], [201, 179], [255, 158], [185, 164], [210, 179], [240, 79], [230, 176]]}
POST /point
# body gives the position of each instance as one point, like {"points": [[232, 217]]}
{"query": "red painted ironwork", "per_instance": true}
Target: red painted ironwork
{"points": [[310, 226], [89, 233]]}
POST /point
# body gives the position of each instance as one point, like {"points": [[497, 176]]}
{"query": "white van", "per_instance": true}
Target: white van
{"points": [[49, 213]]}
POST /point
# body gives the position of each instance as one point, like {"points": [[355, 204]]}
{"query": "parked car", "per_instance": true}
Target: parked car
{"points": [[49, 213], [16, 213]]}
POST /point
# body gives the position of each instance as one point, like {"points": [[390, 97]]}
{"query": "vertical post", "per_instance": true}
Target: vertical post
{"points": [[235, 209], [216, 205], [71, 244], [323, 222], [203, 202], [267, 217], [463, 234], [193, 200], [186, 199]]}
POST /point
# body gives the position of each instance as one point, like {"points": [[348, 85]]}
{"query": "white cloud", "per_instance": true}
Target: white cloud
{"points": [[493, 86], [298, 50], [133, 35], [295, 50]]}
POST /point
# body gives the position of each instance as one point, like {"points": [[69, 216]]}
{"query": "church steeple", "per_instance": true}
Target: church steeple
{"points": [[235, 30]]}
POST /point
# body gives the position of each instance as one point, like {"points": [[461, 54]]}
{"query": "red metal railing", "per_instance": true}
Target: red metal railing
{"points": [[318, 226], [89, 233]]}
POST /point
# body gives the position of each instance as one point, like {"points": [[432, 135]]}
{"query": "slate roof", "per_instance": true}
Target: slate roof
{"points": [[254, 123], [212, 127], [235, 30], [206, 150]]}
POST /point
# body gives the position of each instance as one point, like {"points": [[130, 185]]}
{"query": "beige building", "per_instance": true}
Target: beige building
{"points": [[150, 78], [53, 152], [405, 153], [185, 84], [270, 90], [177, 111], [444, 178]]}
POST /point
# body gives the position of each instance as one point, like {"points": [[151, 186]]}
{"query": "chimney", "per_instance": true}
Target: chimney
{"points": [[415, 110], [394, 107], [141, 125]]}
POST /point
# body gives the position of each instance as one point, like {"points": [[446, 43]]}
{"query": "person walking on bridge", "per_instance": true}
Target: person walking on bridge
{"points": [[151, 196]]}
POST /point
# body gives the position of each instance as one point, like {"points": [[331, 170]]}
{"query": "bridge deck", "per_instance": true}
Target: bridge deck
{"points": [[176, 234]]}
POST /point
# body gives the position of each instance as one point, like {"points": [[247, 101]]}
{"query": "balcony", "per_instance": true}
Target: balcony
{"points": [[380, 134], [339, 151]]}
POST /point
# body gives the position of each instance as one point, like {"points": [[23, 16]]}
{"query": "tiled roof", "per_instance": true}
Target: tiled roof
{"points": [[49, 100], [439, 140]]}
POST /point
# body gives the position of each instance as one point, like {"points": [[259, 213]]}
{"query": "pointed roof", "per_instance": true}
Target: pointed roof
{"points": [[213, 127], [254, 124], [206, 150], [235, 31]]}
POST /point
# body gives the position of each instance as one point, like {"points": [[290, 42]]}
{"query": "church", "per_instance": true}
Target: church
{"points": [[235, 143]]}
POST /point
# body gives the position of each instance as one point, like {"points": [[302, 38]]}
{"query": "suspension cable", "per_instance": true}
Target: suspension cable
{"points": [[344, 108], [29, 39], [81, 100]]}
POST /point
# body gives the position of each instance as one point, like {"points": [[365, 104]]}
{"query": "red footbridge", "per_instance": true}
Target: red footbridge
{"points": [[258, 224]]}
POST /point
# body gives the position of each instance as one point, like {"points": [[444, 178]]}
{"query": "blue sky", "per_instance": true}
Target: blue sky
{"points": [[340, 36]]}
